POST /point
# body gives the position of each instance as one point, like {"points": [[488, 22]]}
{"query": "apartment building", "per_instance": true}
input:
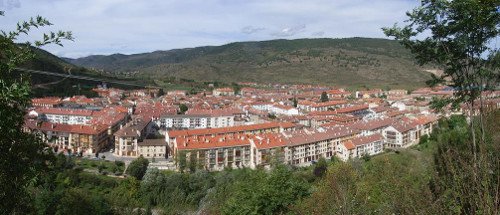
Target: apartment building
{"points": [[84, 139], [197, 120], [223, 92], [152, 148], [278, 109], [64, 116], [128, 139], [300, 147], [310, 106], [407, 131], [46, 102], [363, 145]]}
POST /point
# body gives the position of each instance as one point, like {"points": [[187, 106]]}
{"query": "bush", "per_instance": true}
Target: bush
{"points": [[100, 168], [320, 168], [138, 167], [119, 163]]}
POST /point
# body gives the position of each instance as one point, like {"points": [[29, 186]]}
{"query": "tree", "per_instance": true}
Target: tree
{"points": [[78, 201], [181, 160], [460, 32], [161, 92], [295, 102], [23, 156], [320, 168], [193, 162], [324, 97], [137, 168], [236, 88], [271, 116], [183, 108], [264, 193]]}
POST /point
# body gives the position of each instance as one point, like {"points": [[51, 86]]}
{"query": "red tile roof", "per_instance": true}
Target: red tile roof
{"points": [[46, 100], [220, 141], [310, 136], [351, 109], [234, 129], [55, 127], [64, 111], [368, 125]]}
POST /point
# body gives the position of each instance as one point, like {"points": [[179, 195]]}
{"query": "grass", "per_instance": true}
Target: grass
{"points": [[101, 166]]}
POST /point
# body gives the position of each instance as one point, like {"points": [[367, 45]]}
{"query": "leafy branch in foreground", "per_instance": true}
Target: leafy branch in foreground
{"points": [[23, 156], [460, 34]]}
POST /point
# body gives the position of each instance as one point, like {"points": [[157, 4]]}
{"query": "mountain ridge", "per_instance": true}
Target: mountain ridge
{"points": [[347, 61]]}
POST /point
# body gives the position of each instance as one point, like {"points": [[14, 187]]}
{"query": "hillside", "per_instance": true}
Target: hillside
{"points": [[345, 62], [44, 85]]}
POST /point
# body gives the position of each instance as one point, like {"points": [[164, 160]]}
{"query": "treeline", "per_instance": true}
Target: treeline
{"points": [[438, 176]]}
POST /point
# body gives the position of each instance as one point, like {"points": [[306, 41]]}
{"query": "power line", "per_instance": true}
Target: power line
{"points": [[82, 77]]}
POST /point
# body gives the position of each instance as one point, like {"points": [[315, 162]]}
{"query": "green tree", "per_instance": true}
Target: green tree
{"points": [[265, 193], [193, 162], [183, 108], [455, 35], [320, 167], [161, 92], [78, 201], [460, 34], [181, 160], [23, 156], [125, 197], [460, 184], [236, 88], [295, 102], [137, 168], [324, 97]]}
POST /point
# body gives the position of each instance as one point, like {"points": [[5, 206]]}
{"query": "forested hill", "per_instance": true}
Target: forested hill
{"points": [[347, 62], [46, 85]]}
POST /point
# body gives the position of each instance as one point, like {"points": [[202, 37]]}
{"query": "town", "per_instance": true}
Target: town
{"points": [[235, 128]]}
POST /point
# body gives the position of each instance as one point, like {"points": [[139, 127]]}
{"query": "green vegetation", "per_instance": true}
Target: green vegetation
{"points": [[429, 178], [460, 42], [183, 108], [324, 97], [45, 85], [101, 166], [344, 62], [448, 172], [137, 168], [23, 156]]}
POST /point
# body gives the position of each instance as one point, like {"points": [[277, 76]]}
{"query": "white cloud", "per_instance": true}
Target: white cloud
{"points": [[9, 4], [290, 31], [131, 26], [250, 29]]}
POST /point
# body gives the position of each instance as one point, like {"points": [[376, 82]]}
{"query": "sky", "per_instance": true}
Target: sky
{"points": [[137, 26]]}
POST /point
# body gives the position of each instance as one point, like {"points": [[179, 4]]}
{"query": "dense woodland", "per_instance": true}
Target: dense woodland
{"points": [[419, 180]]}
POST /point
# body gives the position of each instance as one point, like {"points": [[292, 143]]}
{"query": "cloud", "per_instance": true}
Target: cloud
{"points": [[250, 29], [132, 26], [9, 4], [318, 33], [290, 31]]}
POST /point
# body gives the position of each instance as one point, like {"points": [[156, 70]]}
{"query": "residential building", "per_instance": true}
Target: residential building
{"points": [[223, 92], [84, 139], [360, 146]]}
